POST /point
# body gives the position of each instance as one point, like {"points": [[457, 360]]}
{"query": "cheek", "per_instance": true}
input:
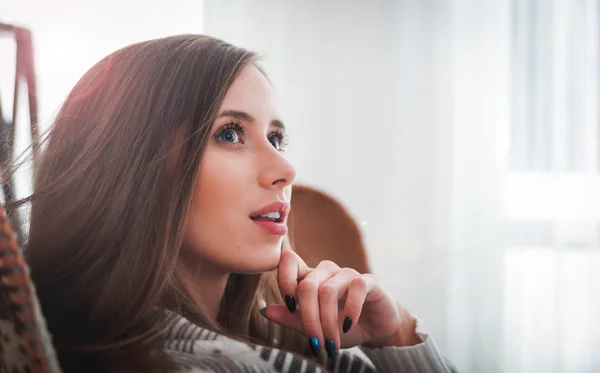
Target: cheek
{"points": [[219, 230], [222, 181], [221, 192]]}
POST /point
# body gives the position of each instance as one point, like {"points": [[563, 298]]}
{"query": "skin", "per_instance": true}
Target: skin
{"points": [[242, 172], [239, 173]]}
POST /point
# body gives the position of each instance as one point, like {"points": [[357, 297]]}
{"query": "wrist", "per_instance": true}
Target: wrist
{"points": [[405, 335]]}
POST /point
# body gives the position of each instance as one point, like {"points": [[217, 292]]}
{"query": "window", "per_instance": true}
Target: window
{"points": [[554, 154]]}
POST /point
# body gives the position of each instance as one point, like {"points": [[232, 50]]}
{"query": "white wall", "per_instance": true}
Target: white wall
{"points": [[70, 36]]}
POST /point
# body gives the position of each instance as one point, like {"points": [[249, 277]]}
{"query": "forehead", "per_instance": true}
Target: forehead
{"points": [[251, 92]]}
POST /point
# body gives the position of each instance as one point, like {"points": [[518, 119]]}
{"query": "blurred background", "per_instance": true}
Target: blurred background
{"points": [[463, 135]]}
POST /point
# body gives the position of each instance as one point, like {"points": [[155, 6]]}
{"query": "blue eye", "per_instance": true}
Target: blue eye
{"points": [[276, 142], [231, 133], [278, 139], [229, 136]]}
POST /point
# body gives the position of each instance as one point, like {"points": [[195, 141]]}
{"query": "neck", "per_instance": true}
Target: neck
{"points": [[206, 285]]}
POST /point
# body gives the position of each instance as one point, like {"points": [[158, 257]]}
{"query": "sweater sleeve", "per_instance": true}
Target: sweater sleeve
{"points": [[197, 350], [421, 358]]}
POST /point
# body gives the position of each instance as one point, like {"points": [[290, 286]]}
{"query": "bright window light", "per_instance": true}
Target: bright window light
{"points": [[564, 197]]}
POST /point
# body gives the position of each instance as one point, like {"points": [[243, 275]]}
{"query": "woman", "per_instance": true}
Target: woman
{"points": [[157, 224]]}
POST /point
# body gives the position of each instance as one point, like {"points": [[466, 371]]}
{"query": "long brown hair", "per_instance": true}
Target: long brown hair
{"points": [[108, 208]]}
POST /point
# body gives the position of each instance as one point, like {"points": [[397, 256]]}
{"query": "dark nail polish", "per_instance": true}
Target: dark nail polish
{"points": [[290, 302], [347, 324], [315, 346], [330, 348], [262, 312]]}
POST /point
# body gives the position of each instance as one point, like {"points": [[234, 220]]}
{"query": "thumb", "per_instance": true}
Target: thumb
{"points": [[280, 314]]}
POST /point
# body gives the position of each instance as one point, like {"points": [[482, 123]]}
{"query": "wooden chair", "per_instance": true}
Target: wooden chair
{"points": [[25, 344], [320, 228]]}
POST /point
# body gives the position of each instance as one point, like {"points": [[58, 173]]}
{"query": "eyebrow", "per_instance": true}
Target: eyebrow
{"points": [[241, 115]]}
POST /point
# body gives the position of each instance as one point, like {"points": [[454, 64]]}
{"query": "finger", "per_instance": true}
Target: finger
{"points": [[330, 294], [308, 300], [291, 268], [358, 290], [279, 314]]}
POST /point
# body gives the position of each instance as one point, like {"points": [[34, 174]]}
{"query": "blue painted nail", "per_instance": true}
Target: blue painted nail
{"points": [[315, 346], [330, 348], [290, 302], [347, 324]]}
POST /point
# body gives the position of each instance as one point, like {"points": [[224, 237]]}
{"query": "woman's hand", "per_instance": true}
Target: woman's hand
{"points": [[338, 307]]}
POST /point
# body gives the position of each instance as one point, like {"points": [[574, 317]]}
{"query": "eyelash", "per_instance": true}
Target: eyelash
{"points": [[236, 126], [282, 137], [279, 134]]}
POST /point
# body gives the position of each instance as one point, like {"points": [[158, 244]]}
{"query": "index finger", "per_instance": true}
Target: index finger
{"points": [[291, 269]]}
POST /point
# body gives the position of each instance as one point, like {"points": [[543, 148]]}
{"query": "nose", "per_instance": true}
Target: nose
{"points": [[276, 171]]}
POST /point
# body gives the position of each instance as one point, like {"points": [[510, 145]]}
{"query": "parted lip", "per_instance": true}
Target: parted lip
{"points": [[278, 206]]}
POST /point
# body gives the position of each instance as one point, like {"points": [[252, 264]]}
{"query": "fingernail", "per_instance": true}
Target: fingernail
{"points": [[347, 324], [262, 312], [330, 348], [315, 347], [290, 302]]}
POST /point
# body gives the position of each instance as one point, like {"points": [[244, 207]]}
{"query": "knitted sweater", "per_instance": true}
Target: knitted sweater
{"points": [[198, 350]]}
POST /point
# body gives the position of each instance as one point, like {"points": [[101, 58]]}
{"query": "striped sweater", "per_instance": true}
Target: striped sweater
{"points": [[198, 350]]}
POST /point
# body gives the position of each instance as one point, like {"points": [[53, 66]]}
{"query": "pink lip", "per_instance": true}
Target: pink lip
{"points": [[278, 228], [282, 207]]}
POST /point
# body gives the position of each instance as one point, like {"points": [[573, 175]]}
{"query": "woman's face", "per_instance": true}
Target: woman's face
{"points": [[241, 199]]}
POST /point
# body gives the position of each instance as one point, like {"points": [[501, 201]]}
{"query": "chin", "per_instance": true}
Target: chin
{"points": [[265, 260]]}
